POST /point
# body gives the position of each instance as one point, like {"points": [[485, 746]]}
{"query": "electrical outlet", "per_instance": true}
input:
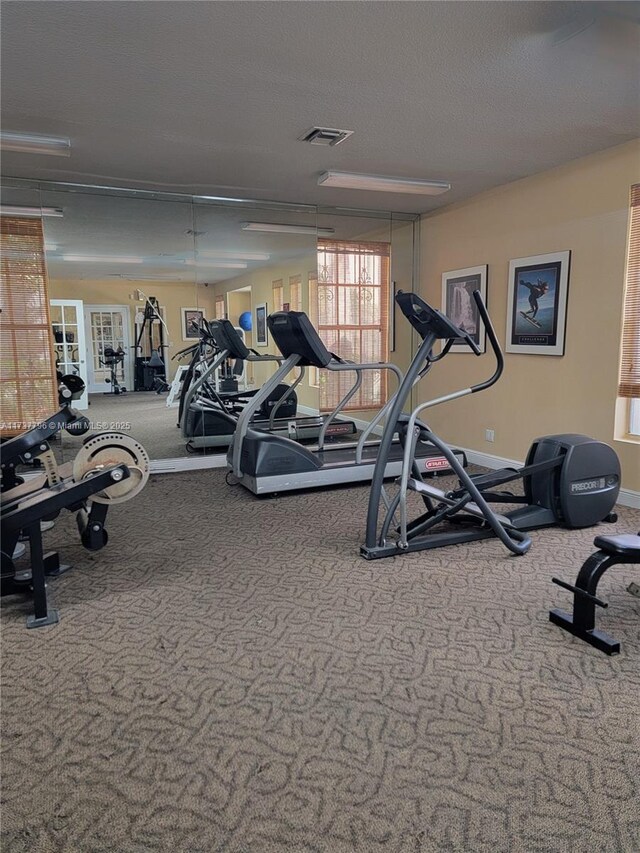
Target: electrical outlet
{"points": [[489, 435]]}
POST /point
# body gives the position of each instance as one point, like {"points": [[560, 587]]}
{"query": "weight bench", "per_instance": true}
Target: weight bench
{"points": [[624, 548]]}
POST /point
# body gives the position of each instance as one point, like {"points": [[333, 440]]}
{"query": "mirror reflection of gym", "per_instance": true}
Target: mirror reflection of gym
{"points": [[122, 269], [131, 277]]}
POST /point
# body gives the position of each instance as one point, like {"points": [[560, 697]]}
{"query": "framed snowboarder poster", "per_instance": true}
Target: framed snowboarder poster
{"points": [[537, 307]]}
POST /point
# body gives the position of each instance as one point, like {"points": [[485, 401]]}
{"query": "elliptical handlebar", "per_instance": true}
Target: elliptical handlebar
{"points": [[493, 340]]}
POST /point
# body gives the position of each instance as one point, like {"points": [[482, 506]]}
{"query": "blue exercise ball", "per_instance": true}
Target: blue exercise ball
{"points": [[245, 321]]}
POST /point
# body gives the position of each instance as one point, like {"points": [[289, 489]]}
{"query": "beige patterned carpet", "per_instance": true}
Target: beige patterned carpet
{"points": [[229, 675]]}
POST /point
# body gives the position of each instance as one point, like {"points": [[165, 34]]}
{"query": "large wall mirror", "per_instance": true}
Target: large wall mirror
{"points": [[134, 277]]}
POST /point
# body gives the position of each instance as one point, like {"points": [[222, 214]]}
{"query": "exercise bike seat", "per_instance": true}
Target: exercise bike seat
{"points": [[625, 545]]}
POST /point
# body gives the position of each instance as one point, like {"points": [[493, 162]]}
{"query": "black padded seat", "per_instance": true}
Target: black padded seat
{"points": [[625, 545], [624, 548]]}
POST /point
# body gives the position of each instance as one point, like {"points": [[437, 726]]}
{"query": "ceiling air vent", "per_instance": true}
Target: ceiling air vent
{"points": [[325, 136]]}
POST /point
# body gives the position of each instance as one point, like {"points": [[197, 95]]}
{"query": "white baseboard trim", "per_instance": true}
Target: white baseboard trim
{"points": [[626, 497], [629, 497], [488, 460]]}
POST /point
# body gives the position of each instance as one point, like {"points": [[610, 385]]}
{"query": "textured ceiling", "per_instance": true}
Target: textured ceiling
{"points": [[210, 97]]}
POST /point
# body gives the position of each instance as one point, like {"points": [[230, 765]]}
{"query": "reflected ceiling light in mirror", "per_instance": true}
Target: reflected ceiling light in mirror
{"points": [[281, 228], [103, 259], [35, 143], [15, 210], [131, 277], [205, 262], [382, 183], [219, 198], [239, 256]]}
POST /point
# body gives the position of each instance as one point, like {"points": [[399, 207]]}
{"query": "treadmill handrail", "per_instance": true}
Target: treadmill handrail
{"points": [[285, 396], [244, 421], [382, 365], [341, 404]]}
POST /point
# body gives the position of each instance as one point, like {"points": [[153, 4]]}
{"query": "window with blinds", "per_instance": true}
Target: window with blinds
{"points": [[219, 308], [28, 384], [353, 317], [295, 293], [629, 384], [277, 295]]}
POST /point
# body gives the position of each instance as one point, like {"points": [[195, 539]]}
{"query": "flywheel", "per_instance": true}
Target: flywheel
{"points": [[106, 449]]}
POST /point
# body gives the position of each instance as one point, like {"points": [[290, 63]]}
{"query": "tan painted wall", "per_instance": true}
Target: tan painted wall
{"points": [[172, 295], [582, 206]]}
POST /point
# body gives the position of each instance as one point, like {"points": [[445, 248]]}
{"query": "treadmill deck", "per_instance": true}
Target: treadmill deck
{"points": [[339, 467]]}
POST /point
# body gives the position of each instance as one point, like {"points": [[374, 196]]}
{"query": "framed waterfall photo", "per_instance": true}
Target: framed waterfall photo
{"points": [[537, 304], [459, 306], [191, 319]]}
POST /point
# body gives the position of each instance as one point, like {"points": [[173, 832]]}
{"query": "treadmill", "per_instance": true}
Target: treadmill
{"points": [[268, 464], [212, 423]]}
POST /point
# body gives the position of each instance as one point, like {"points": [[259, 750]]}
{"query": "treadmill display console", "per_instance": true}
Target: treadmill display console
{"points": [[226, 337], [294, 334]]}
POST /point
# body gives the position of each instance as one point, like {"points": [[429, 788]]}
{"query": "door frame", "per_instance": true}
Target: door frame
{"points": [[83, 402], [127, 345]]}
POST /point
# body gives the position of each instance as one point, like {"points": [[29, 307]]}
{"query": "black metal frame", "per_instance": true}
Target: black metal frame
{"points": [[26, 516], [581, 622]]}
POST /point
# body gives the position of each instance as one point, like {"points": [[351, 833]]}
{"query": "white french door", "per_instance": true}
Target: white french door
{"points": [[69, 342], [107, 326]]}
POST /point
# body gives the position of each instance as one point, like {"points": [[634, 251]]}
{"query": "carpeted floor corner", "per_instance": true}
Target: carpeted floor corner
{"points": [[229, 675]]}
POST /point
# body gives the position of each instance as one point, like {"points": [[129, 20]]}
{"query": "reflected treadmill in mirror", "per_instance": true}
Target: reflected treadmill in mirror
{"points": [[210, 414]]}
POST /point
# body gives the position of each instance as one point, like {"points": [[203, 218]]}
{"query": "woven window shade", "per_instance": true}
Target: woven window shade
{"points": [[629, 385], [277, 292], [295, 292], [353, 316], [219, 307], [28, 384]]}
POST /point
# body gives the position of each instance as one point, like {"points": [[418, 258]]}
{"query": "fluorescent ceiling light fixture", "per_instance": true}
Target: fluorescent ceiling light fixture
{"points": [[224, 265], [35, 143], [103, 259], [220, 198], [278, 228], [13, 210], [240, 256], [205, 262], [157, 278], [382, 183]]}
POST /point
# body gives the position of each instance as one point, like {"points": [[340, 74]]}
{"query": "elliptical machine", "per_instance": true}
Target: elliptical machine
{"points": [[569, 480]]}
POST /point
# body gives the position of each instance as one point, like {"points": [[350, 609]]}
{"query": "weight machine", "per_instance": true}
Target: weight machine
{"points": [[150, 348]]}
